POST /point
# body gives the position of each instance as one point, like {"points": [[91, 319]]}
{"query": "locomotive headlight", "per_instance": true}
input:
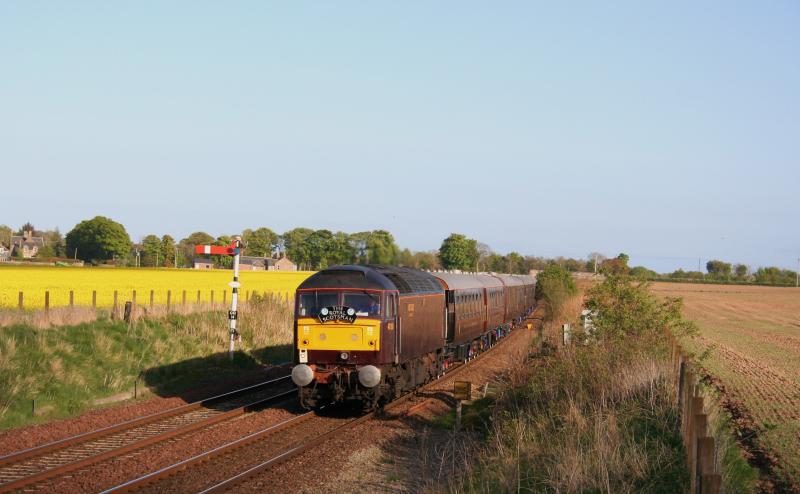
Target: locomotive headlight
{"points": [[324, 311], [351, 312], [369, 376], [344, 355], [302, 375]]}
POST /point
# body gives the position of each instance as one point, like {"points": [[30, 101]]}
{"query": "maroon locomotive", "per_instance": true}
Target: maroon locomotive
{"points": [[371, 333]]}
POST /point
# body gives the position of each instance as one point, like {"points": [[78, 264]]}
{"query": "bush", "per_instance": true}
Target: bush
{"points": [[555, 286], [626, 309]]}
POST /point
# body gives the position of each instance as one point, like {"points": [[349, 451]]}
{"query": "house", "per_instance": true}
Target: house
{"points": [[5, 253], [202, 263], [252, 263], [26, 244], [283, 264]]}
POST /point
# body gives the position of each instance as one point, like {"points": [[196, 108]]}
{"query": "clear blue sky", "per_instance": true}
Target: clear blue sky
{"points": [[670, 132]]}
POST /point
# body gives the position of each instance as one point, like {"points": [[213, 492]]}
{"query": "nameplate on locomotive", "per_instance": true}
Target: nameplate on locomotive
{"points": [[337, 313]]}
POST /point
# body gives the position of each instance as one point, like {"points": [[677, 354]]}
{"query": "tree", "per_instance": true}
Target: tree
{"points": [[168, 249], [260, 242], [5, 235], [27, 227], [741, 270], [358, 241], [624, 257], [427, 260], [342, 251], [294, 245], [484, 253], [718, 269], [152, 253], [98, 239], [382, 248], [459, 252], [614, 267], [186, 246], [55, 244], [555, 285], [515, 263], [318, 245]]}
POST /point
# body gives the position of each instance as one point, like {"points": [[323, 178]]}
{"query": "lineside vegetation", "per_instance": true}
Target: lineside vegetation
{"points": [[69, 369], [597, 416]]}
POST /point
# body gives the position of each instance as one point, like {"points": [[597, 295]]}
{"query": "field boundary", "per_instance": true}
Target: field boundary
{"points": [[701, 447]]}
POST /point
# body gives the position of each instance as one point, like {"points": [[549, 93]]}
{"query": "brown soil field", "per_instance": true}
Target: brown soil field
{"points": [[754, 336]]}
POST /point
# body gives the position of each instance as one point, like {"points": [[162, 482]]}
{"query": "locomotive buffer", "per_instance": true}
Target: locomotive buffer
{"points": [[234, 249]]}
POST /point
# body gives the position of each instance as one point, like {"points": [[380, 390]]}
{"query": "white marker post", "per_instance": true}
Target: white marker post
{"points": [[234, 249]]}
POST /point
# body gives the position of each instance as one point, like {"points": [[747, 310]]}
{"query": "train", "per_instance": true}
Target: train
{"points": [[366, 334]]}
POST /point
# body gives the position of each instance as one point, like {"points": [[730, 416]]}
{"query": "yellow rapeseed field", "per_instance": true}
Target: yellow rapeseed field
{"points": [[35, 281]]}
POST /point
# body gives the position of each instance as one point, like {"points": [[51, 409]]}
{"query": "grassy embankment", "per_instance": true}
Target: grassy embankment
{"points": [[595, 417], [70, 369]]}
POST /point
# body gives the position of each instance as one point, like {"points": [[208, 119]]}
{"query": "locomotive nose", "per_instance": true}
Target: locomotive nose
{"points": [[302, 375]]}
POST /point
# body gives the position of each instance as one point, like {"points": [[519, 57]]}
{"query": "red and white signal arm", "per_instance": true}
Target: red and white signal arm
{"points": [[220, 250]]}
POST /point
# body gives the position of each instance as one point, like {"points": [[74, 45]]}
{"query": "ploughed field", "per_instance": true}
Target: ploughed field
{"points": [[754, 336], [35, 281]]}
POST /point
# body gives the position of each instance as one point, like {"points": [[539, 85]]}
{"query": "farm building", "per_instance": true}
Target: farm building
{"points": [[252, 263], [26, 244], [282, 264], [203, 263]]}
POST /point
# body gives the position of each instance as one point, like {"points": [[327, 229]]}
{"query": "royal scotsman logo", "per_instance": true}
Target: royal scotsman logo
{"points": [[337, 313]]}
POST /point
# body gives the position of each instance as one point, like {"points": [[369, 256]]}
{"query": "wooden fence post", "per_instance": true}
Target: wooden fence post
{"points": [[247, 296], [133, 298], [169, 299], [224, 297], [198, 296], [698, 430], [212, 298], [71, 299], [705, 461], [183, 299], [152, 296], [711, 484], [115, 310], [21, 301], [46, 301], [94, 299]]}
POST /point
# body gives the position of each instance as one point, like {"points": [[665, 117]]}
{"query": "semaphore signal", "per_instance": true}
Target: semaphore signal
{"points": [[234, 250]]}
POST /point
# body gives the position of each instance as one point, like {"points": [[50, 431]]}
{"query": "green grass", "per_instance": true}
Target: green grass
{"points": [[65, 369]]}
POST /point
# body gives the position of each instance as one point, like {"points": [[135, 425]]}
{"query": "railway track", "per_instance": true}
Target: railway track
{"points": [[205, 472], [25, 469]]}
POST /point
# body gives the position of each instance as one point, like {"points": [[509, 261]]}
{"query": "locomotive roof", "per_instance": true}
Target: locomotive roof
{"points": [[374, 277], [466, 281]]}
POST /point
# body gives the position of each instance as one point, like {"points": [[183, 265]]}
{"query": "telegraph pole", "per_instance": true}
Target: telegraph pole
{"points": [[797, 274]]}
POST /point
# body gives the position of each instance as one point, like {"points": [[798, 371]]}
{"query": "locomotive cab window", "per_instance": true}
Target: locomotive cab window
{"points": [[310, 303], [366, 304]]}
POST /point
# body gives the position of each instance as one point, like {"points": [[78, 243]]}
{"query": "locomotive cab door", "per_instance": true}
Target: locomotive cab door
{"points": [[393, 324]]}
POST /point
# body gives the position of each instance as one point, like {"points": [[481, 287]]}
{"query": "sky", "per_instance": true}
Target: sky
{"points": [[669, 131]]}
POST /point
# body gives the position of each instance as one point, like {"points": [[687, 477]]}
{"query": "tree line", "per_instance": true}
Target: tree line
{"points": [[100, 240]]}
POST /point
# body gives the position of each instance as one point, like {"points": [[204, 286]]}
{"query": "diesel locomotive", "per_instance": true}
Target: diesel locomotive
{"points": [[368, 334]]}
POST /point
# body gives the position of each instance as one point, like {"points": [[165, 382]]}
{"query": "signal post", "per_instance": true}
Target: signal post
{"points": [[234, 250]]}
